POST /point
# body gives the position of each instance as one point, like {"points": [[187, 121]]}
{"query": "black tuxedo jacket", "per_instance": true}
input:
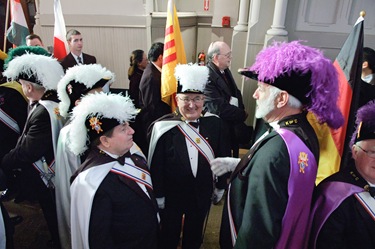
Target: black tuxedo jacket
{"points": [[171, 172], [34, 143], [69, 61], [122, 215], [15, 106]]}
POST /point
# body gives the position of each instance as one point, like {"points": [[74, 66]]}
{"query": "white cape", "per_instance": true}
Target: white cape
{"points": [[82, 191]]}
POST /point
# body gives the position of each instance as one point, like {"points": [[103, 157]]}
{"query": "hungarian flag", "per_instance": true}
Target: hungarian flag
{"points": [[60, 46], [18, 29], [334, 144], [174, 53]]}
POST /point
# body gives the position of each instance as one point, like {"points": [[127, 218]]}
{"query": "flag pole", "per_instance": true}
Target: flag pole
{"points": [[6, 26]]}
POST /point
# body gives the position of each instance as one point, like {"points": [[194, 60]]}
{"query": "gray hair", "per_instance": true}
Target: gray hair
{"points": [[292, 101], [213, 49]]}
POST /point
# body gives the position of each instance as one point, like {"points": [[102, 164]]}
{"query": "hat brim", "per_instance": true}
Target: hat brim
{"points": [[249, 74]]}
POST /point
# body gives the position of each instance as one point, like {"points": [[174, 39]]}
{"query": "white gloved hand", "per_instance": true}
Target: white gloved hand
{"points": [[217, 195], [222, 165], [161, 202]]}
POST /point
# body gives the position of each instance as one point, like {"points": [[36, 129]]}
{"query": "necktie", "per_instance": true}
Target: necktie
{"points": [[194, 124], [79, 60], [121, 159]]}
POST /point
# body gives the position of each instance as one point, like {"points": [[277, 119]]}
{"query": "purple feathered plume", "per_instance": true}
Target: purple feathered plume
{"points": [[284, 58], [366, 115]]}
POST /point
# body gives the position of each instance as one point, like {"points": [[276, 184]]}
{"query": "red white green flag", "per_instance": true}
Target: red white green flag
{"points": [[18, 29]]}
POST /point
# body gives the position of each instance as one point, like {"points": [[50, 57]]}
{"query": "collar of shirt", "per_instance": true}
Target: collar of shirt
{"points": [[275, 125], [76, 57], [111, 155], [156, 66], [368, 78]]}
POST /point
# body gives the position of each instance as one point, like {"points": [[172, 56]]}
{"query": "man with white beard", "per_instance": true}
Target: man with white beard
{"points": [[270, 189]]}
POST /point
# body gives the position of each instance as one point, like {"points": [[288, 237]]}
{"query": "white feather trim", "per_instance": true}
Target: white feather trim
{"points": [[46, 70], [191, 76], [88, 75], [107, 105]]}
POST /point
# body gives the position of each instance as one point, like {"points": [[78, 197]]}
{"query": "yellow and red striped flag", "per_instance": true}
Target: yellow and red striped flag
{"points": [[174, 53], [334, 144], [60, 45]]}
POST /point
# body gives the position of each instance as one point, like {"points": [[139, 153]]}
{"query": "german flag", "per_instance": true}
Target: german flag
{"points": [[334, 150], [174, 53]]}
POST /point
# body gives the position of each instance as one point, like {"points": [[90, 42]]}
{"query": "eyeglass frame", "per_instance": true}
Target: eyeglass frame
{"points": [[227, 55], [369, 153], [187, 100]]}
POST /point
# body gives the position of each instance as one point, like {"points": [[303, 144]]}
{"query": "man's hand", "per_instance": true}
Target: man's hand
{"points": [[222, 165], [217, 195]]}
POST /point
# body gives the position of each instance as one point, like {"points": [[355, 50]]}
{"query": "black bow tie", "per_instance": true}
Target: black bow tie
{"points": [[121, 159], [194, 124]]}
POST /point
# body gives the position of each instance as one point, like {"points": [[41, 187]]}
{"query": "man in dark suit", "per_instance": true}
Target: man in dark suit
{"points": [[223, 98], [181, 146], [76, 56], [34, 152], [152, 106], [113, 205]]}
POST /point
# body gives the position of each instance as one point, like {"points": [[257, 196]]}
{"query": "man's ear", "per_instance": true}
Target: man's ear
{"points": [[77, 102], [365, 64], [29, 87], [354, 151], [104, 141], [282, 99]]}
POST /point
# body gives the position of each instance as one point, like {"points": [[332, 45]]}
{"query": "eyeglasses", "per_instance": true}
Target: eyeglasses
{"points": [[369, 153], [187, 100], [227, 55]]}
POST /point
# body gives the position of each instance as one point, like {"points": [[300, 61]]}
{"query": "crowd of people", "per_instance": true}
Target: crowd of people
{"points": [[115, 171]]}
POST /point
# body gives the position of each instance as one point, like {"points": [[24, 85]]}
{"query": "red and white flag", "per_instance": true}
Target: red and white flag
{"points": [[60, 45]]}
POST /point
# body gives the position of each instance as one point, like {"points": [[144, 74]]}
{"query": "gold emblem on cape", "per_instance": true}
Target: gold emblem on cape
{"points": [[56, 110], [303, 162], [143, 176], [198, 140], [96, 124]]}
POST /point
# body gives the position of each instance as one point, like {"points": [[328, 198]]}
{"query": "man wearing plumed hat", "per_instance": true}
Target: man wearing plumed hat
{"points": [[181, 146], [34, 152], [77, 82], [13, 114], [112, 200], [270, 189], [344, 209]]}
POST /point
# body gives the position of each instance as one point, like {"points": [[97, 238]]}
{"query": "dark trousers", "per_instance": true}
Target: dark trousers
{"points": [[46, 198], [191, 231]]}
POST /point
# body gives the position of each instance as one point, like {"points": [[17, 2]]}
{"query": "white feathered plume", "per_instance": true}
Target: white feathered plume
{"points": [[46, 70], [88, 75], [192, 77], [113, 106]]}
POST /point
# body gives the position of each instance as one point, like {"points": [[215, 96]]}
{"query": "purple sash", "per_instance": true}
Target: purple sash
{"points": [[331, 195], [303, 169]]}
